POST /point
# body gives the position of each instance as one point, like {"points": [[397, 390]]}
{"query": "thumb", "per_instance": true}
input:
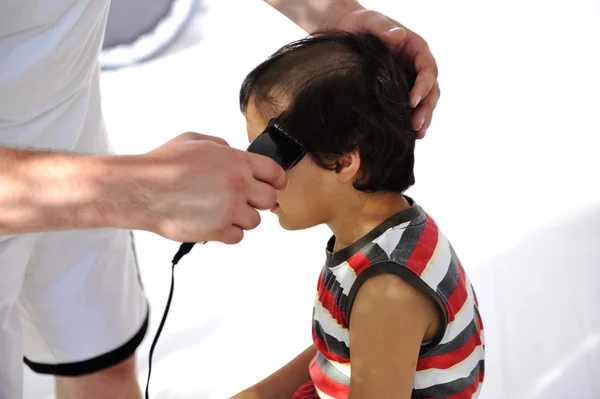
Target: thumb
{"points": [[393, 32]]}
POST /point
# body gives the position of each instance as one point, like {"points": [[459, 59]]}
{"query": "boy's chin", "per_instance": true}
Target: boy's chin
{"points": [[292, 225]]}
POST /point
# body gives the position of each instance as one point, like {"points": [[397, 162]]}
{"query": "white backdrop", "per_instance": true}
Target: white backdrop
{"points": [[513, 146]]}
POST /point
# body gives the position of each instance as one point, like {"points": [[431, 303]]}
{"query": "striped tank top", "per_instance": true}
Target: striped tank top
{"points": [[411, 246]]}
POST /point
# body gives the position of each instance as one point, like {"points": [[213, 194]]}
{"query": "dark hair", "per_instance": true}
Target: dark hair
{"points": [[337, 92]]}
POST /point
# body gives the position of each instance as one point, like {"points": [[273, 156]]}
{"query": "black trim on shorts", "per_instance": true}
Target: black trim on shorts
{"points": [[95, 364]]}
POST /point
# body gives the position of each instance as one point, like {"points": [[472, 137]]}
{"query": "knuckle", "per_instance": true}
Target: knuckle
{"points": [[268, 196], [235, 182], [276, 172], [190, 136], [275, 169], [217, 140], [432, 75], [222, 141], [422, 41], [246, 159], [371, 14]]}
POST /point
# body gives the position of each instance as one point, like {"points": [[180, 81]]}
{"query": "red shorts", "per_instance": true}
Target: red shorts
{"points": [[306, 391]]}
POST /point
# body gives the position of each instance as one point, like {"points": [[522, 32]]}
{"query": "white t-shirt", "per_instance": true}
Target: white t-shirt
{"points": [[49, 74]]}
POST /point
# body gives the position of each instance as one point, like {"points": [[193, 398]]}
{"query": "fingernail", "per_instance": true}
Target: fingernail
{"points": [[417, 101], [393, 29], [421, 122]]}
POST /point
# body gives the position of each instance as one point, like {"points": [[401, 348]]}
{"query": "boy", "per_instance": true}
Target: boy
{"points": [[393, 302]]}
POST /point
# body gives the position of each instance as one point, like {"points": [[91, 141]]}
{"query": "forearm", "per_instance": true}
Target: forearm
{"points": [[48, 191], [314, 15], [283, 383]]}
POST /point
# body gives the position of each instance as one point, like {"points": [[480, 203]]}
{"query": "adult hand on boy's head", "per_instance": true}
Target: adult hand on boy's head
{"points": [[426, 91]]}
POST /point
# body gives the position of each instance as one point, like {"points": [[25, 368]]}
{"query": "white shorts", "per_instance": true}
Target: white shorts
{"points": [[71, 303]]}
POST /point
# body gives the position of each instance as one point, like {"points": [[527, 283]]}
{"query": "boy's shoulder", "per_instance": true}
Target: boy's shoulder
{"points": [[414, 241], [414, 246], [410, 238]]}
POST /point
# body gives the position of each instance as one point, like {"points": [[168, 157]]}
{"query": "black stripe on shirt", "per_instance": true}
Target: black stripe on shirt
{"points": [[330, 371], [333, 344]]}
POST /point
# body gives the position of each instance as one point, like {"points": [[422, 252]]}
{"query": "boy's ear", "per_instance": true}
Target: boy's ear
{"points": [[348, 166]]}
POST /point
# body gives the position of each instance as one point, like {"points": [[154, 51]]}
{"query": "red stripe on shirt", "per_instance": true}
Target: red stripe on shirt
{"points": [[328, 301], [418, 260], [326, 384], [359, 262], [450, 359]]}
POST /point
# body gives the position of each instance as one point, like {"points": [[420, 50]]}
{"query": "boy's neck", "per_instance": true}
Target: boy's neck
{"points": [[358, 218]]}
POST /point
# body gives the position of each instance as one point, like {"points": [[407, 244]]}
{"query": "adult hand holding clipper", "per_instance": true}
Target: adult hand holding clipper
{"points": [[214, 190], [275, 144]]}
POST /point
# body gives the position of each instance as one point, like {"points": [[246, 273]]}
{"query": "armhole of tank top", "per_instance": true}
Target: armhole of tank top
{"points": [[411, 278]]}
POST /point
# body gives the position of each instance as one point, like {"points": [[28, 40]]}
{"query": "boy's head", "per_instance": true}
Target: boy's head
{"points": [[345, 98]]}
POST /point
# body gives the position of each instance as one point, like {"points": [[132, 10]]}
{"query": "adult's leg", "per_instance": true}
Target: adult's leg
{"points": [[116, 382], [84, 313], [14, 257]]}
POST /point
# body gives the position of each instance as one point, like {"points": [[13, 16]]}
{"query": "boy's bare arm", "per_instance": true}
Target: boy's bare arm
{"points": [[385, 343], [284, 382]]}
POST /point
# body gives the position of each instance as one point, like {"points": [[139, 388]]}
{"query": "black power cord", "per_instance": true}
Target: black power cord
{"points": [[274, 143], [184, 249]]}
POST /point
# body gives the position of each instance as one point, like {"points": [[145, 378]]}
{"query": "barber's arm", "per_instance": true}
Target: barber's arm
{"points": [[193, 188], [315, 15]]}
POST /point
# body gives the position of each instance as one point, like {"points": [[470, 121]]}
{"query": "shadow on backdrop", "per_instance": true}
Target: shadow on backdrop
{"points": [[540, 304], [141, 30]]}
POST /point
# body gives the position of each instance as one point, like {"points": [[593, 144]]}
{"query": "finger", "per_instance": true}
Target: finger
{"points": [[427, 74], [267, 170], [262, 196], [246, 217], [396, 35], [422, 116], [383, 27], [231, 235]]}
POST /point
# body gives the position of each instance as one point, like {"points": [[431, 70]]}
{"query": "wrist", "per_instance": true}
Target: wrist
{"points": [[315, 15], [120, 188], [94, 187], [337, 12]]}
